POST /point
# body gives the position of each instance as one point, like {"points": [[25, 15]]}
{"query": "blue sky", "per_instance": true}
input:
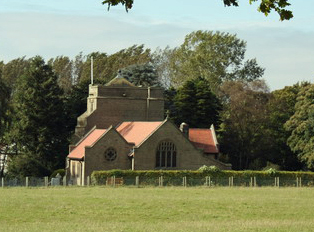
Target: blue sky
{"points": [[67, 27]]}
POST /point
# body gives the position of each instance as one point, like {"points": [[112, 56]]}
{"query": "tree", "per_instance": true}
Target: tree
{"points": [[39, 125], [62, 66], [266, 6], [107, 66], [301, 126], [13, 70], [196, 105], [141, 74], [215, 56], [161, 60], [281, 107], [4, 122], [243, 137]]}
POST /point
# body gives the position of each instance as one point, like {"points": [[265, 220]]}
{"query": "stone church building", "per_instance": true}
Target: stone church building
{"points": [[124, 128]]}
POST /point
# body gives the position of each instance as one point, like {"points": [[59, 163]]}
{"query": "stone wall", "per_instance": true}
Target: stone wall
{"points": [[95, 155], [187, 157]]}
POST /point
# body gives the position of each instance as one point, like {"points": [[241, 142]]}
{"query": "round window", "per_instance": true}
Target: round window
{"points": [[110, 154]]}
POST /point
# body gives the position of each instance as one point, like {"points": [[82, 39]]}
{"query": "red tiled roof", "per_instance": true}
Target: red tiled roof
{"points": [[90, 139], [203, 139], [137, 132]]}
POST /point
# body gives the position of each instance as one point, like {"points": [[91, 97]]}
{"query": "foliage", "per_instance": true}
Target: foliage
{"points": [[281, 107], [62, 66], [141, 75], [266, 6], [301, 126], [39, 124], [196, 105], [106, 66], [12, 71], [99, 177], [4, 106], [272, 171], [242, 135], [215, 56], [209, 169]]}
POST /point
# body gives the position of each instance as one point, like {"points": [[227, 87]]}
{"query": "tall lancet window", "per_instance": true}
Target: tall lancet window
{"points": [[166, 155]]}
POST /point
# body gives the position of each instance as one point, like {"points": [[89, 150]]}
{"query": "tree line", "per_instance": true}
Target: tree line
{"points": [[207, 80]]}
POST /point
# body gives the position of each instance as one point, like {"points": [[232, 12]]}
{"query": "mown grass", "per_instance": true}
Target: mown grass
{"points": [[156, 209]]}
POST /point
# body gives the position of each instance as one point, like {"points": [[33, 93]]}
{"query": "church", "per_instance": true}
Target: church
{"points": [[124, 128]]}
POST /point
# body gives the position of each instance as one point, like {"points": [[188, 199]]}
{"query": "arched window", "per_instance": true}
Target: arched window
{"points": [[166, 155], [110, 154]]}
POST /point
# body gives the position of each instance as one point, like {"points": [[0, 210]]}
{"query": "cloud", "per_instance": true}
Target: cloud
{"points": [[286, 53]]}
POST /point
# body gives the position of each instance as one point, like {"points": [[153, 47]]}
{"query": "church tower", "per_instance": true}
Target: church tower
{"points": [[118, 101]]}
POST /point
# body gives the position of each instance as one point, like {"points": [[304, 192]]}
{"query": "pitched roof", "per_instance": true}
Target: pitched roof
{"points": [[137, 132], [79, 151], [203, 139]]}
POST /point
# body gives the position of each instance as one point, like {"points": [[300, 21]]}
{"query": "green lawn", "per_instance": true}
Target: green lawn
{"points": [[156, 209]]}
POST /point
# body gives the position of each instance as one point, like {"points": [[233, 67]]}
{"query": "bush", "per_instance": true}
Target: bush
{"points": [[100, 177], [209, 169]]}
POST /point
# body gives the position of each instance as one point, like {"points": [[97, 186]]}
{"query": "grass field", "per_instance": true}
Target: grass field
{"points": [[156, 209]]}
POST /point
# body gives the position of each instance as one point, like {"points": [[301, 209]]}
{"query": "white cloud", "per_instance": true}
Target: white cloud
{"points": [[286, 53]]}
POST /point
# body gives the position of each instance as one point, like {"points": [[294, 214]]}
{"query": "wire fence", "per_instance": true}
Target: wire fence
{"points": [[163, 182], [208, 182], [32, 182]]}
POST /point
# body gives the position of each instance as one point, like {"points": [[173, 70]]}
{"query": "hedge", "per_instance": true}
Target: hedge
{"points": [[100, 177]]}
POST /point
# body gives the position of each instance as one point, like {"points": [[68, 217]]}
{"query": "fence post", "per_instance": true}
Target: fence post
{"points": [[277, 182], [232, 181], [255, 181], [251, 182], [161, 181], [229, 181], [114, 181], [2, 182], [297, 181], [88, 181], [137, 181], [64, 181], [26, 181], [46, 181], [207, 181], [184, 181]]}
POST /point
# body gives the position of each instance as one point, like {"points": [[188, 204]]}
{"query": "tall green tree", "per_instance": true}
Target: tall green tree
{"points": [[39, 125], [301, 126], [243, 134], [62, 66], [215, 56], [12, 70], [265, 6], [4, 122], [196, 105], [106, 66], [281, 107]]}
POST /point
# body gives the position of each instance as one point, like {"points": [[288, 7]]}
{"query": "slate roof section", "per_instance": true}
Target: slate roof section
{"points": [[137, 132], [79, 151], [203, 139]]}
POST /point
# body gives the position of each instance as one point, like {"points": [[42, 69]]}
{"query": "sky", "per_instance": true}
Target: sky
{"points": [[68, 27]]}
